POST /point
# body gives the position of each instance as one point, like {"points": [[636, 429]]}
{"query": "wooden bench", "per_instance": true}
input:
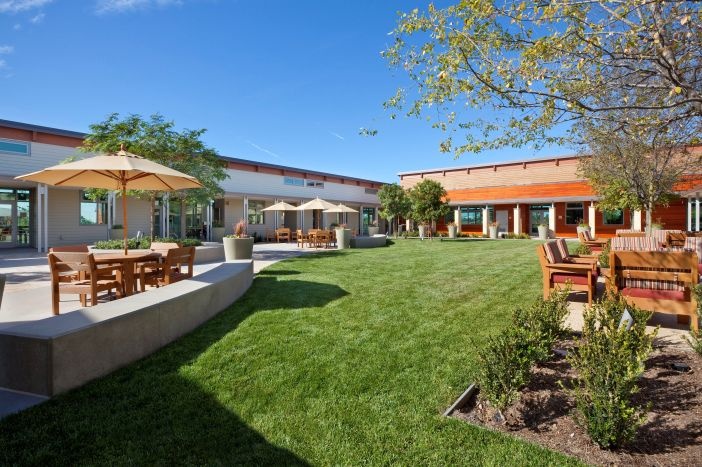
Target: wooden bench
{"points": [[657, 281]]}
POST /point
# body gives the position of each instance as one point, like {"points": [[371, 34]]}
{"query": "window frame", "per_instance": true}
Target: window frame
{"points": [[578, 218], [259, 206], [16, 153], [477, 219], [100, 204]]}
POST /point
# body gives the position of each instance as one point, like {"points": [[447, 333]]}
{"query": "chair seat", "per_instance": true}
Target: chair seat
{"points": [[562, 278], [655, 294]]}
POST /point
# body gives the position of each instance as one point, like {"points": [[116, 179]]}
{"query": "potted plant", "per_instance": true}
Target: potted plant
{"points": [[217, 231], [582, 226], [239, 245], [117, 232], [543, 231], [492, 228], [343, 237], [373, 228], [452, 229], [422, 230]]}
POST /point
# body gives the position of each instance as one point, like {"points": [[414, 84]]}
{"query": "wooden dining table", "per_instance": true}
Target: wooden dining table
{"points": [[128, 263]]}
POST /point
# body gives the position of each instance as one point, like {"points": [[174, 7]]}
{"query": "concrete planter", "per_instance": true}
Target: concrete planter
{"points": [[343, 238], [238, 248], [423, 230], [217, 234], [2, 286], [543, 232], [492, 229], [373, 230], [117, 234], [579, 229], [452, 229]]}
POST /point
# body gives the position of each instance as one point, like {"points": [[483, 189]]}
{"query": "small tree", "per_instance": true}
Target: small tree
{"points": [[157, 140], [429, 201], [633, 168], [394, 203]]}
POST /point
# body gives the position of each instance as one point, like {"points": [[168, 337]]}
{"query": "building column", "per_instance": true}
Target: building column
{"points": [[486, 220], [592, 218], [209, 220], [40, 215], [245, 214], [457, 218], [636, 225], [697, 213], [517, 220], [166, 217], [689, 214], [552, 219]]}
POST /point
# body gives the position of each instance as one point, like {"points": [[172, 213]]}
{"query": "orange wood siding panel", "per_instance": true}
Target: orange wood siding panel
{"points": [[38, 137], [545, 191], [674, 216]]}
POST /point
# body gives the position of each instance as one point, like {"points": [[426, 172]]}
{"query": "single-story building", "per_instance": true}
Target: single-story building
{"points": [[40, 216], [520, 195]]}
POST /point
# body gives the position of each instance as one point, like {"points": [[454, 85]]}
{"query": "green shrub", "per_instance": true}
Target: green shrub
{"points": [[543, 323], [504, 366], [583, 249], [609, 361], [603, 258], [144, 243], [695, 337]]}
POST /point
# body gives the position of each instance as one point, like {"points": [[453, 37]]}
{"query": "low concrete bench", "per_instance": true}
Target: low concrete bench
{"points": [[210, 252], [53, 355], [369, 242], [657, 281]]}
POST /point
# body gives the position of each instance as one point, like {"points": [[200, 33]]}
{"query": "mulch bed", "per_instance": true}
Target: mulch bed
{"points": [[672, 434]]}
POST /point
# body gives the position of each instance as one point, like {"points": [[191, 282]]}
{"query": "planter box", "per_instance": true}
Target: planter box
{"points": [[343, 238], [492, 229], [543, 232], [238, 248], [422, 231], [373, 231], [217, 234], [452, 229]]}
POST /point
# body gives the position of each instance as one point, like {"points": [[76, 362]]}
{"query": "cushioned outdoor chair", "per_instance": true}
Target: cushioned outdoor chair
{"points": [[596, 244], [558, 272], [77, 273]]}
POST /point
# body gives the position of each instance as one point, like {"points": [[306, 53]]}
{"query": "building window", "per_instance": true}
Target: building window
{"points": [[256, 212], [371, 191], [615, 217], [294, 181], [472, 216], [92, 212], [15, 148], [575, 213], [315, 184]]}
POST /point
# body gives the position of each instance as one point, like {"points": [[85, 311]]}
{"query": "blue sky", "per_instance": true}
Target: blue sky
{"points": [[284, 82]]}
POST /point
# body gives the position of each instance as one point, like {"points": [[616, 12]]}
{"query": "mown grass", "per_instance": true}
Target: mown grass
{"points": [[344, 357]]}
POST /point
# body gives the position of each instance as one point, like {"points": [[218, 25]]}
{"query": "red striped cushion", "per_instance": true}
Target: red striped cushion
{"points": [[562, 248], [552, 253], [654, 294]]}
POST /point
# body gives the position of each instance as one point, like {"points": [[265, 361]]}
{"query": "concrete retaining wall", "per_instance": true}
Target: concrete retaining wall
{"points": [[369, 242], [53, 355]]}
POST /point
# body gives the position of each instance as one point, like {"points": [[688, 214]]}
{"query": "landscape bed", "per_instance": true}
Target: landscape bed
{"points": [[671, 435]]}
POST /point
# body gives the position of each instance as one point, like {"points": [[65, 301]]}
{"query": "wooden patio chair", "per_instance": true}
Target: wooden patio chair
{"points": [[169, 270], [557, 273], [675, 239], [302, 238], [270, 235], [282, 234], [595, 244], [77, 273]]}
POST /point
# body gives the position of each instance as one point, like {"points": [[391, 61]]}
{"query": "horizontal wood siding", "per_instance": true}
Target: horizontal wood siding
{"points": [[673, 217], [541, 191]]}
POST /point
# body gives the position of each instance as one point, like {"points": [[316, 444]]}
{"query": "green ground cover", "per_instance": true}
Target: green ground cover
{"points": [[339, 358]]}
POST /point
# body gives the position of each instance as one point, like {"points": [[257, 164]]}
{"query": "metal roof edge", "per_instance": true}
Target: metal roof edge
{"points": [[43, 129], [490, 164]]}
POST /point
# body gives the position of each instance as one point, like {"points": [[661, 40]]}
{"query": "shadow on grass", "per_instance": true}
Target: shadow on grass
{"points": [[266, 272], [162, 409]]}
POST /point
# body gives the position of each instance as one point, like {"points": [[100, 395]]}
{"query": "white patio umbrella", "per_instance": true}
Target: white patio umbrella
{"points": [[339, 209], [115, 171], [316, 203], [280, 206]]}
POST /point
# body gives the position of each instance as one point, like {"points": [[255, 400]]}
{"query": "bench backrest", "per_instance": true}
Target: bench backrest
{"points": [[634, 244], [69, 249], [674, 270]]}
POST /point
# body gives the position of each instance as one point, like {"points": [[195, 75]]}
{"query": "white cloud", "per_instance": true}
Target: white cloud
{"points": [[17, 27], [3, 64], [6, 49], [337, 135], [15, 6], [120, 6], [37, 19], [270, 153]]}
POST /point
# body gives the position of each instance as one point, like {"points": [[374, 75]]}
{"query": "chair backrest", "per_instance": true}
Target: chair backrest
{"points": [[178, 256], [631, 234], [668, 270], [673, 239], [163, 247], [562, 248], [65, 263], [552, 253], [69, 249], [634, 244], [283, 231]]}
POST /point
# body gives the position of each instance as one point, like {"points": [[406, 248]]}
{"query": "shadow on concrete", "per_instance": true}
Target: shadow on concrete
{"points": [[160, 410]]}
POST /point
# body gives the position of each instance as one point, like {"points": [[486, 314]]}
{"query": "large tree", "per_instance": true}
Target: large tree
{"points": [[394, 203], [157, 139], [541, 64], [429, 201]]}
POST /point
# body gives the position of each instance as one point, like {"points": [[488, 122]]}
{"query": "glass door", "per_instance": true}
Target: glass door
{"points": [[7, 227], [368, 218], [538, 214]]}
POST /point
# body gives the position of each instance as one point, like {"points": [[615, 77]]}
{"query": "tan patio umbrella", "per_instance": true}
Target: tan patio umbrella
{"points": [[115, 171], [316, 203], [340, 208], [280, 206]]}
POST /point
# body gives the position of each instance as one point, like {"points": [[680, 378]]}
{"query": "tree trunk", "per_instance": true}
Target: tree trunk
{"points": [[649, 215], [151, 217]]}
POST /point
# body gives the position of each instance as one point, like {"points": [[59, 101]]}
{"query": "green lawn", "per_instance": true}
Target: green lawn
{"points": [[337, 358]]}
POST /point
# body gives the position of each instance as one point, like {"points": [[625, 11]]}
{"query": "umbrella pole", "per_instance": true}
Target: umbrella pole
{"points": [[124, 216]]}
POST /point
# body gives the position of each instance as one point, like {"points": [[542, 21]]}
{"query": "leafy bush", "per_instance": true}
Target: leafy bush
{"points": [[603, 258], [504, 366], [583, 249], [695, 337], [516, 236], [181, 242], [144, 243], [609, 361], [543, 323]]}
